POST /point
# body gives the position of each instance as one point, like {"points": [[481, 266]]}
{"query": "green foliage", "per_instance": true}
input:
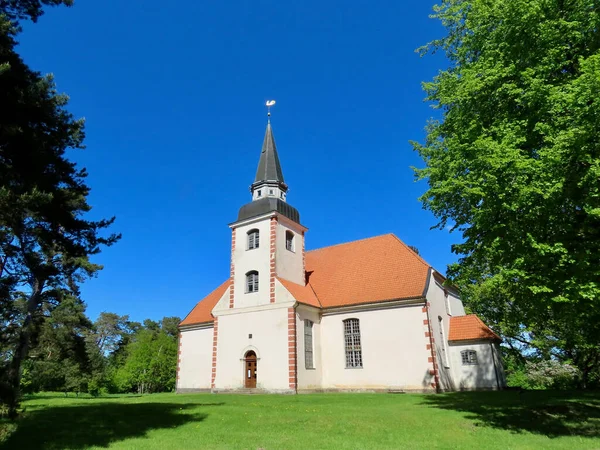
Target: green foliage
{"points": [[45, 240], [17, 10], [514, 165], [150, 363]]}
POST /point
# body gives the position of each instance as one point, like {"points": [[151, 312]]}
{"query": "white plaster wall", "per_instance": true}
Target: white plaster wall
{"points": [[195, 364], [438, 308], [269, 329], [393, 350], [308, 378], [288, 264], [246, 260], [455, 305], [478, 376]]}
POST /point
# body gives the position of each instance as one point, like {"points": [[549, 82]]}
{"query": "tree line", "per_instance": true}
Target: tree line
{"points": [[111, 355]]}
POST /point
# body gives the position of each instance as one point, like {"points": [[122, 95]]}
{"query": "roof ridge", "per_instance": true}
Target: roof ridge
{"points": [[350, 242], [412, 251]]}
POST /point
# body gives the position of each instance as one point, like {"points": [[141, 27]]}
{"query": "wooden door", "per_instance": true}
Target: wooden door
{"points": [[250, 372]]}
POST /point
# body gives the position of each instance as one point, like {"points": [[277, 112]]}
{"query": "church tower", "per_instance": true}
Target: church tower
{"points": [[267, 237], [255, 325]]}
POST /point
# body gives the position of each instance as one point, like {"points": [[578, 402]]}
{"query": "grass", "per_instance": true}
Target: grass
{"points": [[502, 420]]}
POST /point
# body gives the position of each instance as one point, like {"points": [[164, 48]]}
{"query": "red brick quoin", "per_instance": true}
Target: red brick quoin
{"points": [[214, 353], [232, 268], [431, 348], [292, 348], [272, 243]]}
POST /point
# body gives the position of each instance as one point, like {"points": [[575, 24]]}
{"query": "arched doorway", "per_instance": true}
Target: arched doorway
{"points": [[250, 370]]}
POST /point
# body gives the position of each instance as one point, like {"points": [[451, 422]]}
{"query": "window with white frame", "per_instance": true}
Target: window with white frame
{"points": [[289, 241], [468, 357], [352, 343], [308, 344], [252, 281], [253, 239]]}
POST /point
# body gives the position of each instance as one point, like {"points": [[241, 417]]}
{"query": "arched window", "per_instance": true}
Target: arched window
{"points": [[252, 281], [253, 239], [352, 342], [289, 241], [468, 357]]}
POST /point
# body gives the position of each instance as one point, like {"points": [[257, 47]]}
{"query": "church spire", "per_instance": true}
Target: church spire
{"points": [[269, 167], [269, 181]]}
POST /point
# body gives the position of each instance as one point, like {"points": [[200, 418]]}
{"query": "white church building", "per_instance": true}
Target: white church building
{"points": [[369, 315]]}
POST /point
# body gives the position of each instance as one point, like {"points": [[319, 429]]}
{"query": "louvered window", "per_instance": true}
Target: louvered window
{"points": [[308, 344], [252, 281], [253, 239], [352, 342], [468, 357]]}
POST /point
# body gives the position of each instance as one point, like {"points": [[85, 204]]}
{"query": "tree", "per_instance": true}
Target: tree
{"points": [[58, 358], [150, 363], [45, 240], [16, 10], [514, 165]]}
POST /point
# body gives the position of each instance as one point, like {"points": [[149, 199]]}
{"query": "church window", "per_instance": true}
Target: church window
{"points": [[468, 357], [308, 344], [443, 339], [253, 239], [258, 193], [271, 191], [352, 342], [252, 281], [289, 241]]}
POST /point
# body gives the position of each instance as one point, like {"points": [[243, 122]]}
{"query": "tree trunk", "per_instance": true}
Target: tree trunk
{"points": [[21, 352]]}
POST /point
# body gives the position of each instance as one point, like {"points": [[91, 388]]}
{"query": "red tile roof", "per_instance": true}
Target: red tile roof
{"points": [[371, 270], [302, 294], [469, 327], [202, 311]]}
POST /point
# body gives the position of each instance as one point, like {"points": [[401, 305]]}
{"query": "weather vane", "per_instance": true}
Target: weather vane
{"points": [[269, 104]]}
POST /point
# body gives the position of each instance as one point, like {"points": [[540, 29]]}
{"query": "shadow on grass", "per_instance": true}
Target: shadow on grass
{"points": [[97, 424], [551, 413], [72, 396]]}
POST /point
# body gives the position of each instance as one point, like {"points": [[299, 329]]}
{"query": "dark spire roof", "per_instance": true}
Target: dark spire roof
{"points": [[269, 168]]}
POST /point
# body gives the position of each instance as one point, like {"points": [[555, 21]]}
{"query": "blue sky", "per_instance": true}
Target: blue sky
{"points": [[173, 95]]}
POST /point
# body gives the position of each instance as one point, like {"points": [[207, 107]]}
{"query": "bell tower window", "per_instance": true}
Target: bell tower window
{"points": [[253, 239], [251, 282], [289, 241]]}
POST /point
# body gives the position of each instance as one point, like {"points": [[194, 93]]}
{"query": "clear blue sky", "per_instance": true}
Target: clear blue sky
{"points": [[173, 95]]}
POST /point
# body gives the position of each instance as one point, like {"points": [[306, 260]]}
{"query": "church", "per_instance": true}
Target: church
{"points": [[369, 315]]}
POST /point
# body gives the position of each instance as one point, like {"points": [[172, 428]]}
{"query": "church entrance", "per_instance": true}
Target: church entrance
{"points": [[250, 372]]}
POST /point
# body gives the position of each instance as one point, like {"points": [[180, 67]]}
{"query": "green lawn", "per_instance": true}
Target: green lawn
{"points": [[503, 420]]}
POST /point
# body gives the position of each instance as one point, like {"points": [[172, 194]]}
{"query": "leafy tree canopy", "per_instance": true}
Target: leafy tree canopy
{"points": [[513, 163]]}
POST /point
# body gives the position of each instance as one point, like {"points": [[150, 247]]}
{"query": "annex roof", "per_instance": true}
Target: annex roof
{"points": [[468, 328]]}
